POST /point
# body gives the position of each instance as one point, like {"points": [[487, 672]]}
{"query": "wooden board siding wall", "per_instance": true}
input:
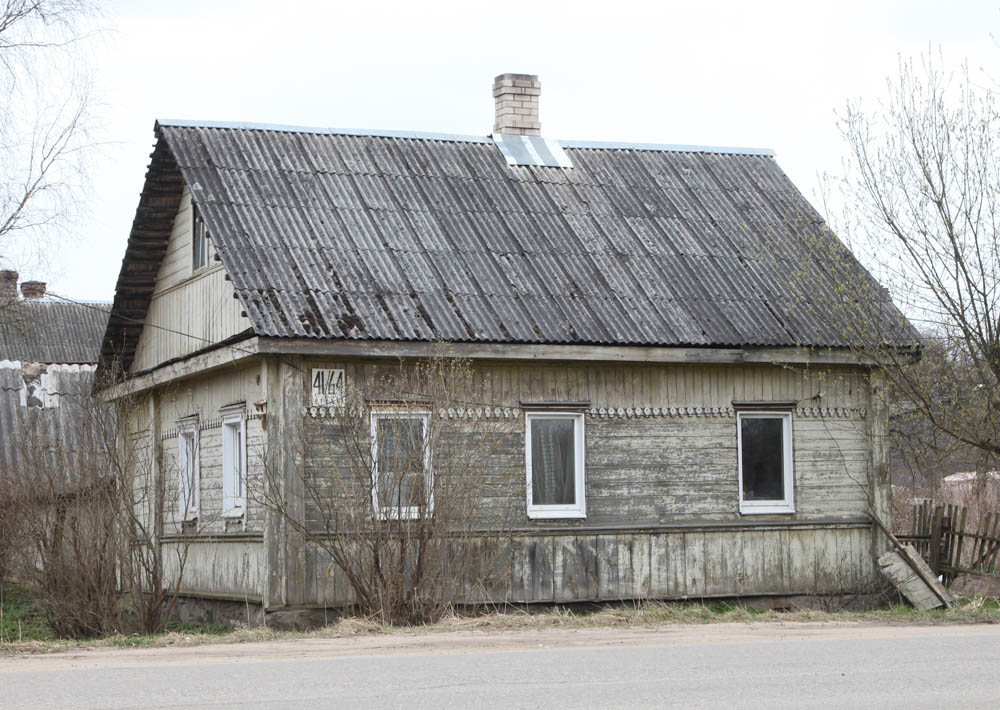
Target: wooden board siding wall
{"points": [[799, 560], [229, 560], [233, 568], [667, 468], [188, 311], [205, 397], [662, 492]]}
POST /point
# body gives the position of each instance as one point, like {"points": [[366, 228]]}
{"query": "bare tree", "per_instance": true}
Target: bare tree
{"points": [[45, 99], [411, 505], [922, 209], [83, 506]]}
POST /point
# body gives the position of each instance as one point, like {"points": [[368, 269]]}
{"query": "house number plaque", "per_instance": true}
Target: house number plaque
{"points": [[327, 387]]}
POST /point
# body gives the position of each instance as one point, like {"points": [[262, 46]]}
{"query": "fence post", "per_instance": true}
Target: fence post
{"points": [[935, 542]]}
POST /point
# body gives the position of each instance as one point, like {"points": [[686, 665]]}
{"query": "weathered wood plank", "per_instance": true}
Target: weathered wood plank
{"points": [[694, 564]]}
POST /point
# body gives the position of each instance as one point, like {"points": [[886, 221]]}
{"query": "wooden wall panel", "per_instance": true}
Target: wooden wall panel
{"points": [[669, 564], [233, 568], [189, 310]]}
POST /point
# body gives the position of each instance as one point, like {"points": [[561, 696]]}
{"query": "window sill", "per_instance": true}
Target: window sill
{"points": [[234, 514], [402, 514], [772, 509], [548, 514]]}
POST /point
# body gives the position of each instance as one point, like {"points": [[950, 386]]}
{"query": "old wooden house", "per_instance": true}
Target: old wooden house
{"points": [[645, 316]]}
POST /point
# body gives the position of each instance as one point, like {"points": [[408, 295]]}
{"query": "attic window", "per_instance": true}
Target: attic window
{"points": [[199, 244]]}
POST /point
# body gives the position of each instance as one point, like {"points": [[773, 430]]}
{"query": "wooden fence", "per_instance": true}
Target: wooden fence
{"points": [[943, 536]]}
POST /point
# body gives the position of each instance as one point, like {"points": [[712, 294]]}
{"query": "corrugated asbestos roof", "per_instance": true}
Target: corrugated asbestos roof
{"points": [[405, 236], [52, 331], [53, 444]]}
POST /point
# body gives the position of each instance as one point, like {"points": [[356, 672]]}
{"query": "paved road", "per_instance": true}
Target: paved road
{"points": [[695, 667]]}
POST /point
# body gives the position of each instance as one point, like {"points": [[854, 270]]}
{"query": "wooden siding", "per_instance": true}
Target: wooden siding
{"points": [[188, 311], [663, 516], [664, 469], [204, 397], [666, 564], [662, 493], [219, 567]]}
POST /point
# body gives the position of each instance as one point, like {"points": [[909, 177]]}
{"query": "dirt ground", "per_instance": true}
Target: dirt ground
{"points": [[472, 642]]}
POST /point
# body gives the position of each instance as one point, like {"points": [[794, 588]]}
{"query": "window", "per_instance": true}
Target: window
{"points": [[402, 477], [199, 244], [554, 463], [765, 462], [187, 469], [234, 464]]}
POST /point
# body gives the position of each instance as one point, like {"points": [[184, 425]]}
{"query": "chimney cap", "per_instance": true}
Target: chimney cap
{"points": [[33, 289]]}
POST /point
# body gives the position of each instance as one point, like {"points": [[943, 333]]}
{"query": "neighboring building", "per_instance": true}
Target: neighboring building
{"points": [[48, 353], [647, 301]]}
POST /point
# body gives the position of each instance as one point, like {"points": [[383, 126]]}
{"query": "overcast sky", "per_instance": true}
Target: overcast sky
{"points": [[755, 74]]}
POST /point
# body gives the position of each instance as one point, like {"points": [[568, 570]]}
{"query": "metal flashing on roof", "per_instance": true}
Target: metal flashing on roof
{"points": [[551, 146], [519, 149], [668, 148], [377, 133]]}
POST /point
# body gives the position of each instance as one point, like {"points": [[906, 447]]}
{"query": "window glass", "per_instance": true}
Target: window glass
{"points": [[199, 246], [401, 461], [233, 465], [553, 465], [187, 465], [762, 457]]}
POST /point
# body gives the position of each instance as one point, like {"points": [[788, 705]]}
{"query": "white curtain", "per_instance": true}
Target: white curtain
{"points": [[553, 480]]}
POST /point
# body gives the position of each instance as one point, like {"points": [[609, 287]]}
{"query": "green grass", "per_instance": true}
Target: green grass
{"points": [[37, 638], [21, 619]]}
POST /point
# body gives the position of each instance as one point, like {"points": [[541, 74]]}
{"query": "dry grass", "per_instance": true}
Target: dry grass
{"points": [[646, 615]]}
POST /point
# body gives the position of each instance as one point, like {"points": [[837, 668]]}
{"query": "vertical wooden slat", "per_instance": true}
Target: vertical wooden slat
{"points": [[694, 564]]}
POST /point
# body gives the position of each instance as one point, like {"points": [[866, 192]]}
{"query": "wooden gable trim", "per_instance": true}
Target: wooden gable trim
{"points": [[147, 245]]}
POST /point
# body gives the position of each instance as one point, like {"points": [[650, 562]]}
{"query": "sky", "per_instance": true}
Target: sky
{"points": [[762, 75]]}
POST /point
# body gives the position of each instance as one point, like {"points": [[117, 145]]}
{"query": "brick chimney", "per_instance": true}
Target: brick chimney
{"points": [[33, 289], [8, 284], [516, 98]]}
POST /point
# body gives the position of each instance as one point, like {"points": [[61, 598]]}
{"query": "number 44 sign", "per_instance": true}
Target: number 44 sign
{"points": [[327, 388]]}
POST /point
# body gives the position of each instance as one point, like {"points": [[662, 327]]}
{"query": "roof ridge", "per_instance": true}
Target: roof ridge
{"points": [[458, 137]]}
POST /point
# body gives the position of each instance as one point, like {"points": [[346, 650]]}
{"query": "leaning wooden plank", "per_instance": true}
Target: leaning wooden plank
{"points": [[916, 563], [902, 572]]}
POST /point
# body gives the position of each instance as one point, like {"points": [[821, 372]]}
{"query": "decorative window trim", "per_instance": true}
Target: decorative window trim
{"points": [[577, 509], [764, 507], [401, 512], [189, 484], [487, 411], [213, 423], [234, 492]]}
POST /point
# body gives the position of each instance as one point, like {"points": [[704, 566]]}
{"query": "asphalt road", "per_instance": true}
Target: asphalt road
{"points": [[702, 667]]}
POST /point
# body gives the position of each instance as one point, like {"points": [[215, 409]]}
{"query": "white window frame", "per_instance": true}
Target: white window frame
{"points": [[411, 512], [188, 473], [577, 509], [234, 480], [787, 504]]}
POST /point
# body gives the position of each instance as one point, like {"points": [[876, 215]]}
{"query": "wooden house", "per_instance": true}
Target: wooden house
{"points": [[653, 307]]}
